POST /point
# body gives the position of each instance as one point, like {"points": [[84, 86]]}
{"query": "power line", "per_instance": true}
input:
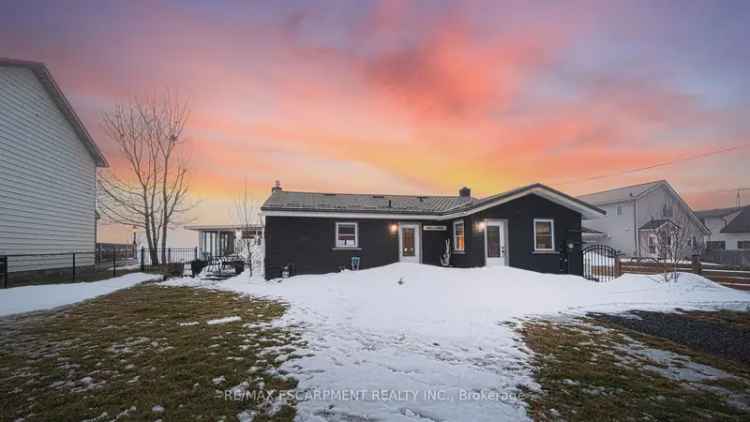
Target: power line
{"points": [[653, 166]]}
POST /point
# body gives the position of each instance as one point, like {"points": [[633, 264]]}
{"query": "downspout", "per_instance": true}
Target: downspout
{"points": [[635, 229]]}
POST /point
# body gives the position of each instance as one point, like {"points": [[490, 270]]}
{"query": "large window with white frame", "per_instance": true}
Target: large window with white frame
{"points": [[544, 235], [459, 236], [347, 235]]}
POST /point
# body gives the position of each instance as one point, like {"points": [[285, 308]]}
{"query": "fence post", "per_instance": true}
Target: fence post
{"points": [[4, 262], [143, 253], [74, 267], [169, 255], [696, 264], [114, 264], [195, 253], [618, 267]]}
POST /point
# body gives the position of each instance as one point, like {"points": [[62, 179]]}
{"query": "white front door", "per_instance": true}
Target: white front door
{"points": [[495, 242], [409, 243]]}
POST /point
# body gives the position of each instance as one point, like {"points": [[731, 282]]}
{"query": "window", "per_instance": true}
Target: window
{"points": [[619, 210], [666, 212], [716, 245], [652, 244], [347, 235], [544, 235], [743, 244], [458, 236]]}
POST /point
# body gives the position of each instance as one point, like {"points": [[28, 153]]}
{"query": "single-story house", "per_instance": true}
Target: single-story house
{"points": [[533, 227], [221, 240]]}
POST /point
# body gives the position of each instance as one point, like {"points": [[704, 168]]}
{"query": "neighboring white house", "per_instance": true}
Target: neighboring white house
{"points": [[222, 240], [730, 228], [48, 167], [635, 214]]}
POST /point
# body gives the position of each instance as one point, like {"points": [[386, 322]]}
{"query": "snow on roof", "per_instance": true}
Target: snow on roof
{"points": [[45, 77], [655, 224], [622, 194]]}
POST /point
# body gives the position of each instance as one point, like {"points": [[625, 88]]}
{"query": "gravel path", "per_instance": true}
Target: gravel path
{"points": [[721, 339]]}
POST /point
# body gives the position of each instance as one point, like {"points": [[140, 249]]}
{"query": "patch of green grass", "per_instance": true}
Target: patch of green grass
{"points": [[131, 350], [586, 372]]}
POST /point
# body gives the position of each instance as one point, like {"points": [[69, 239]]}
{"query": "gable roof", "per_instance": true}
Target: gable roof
{"points": [[53, 90], [655, 224], [415, 206], [717, 212], [630, 193], [740, 223], [626, 193]]}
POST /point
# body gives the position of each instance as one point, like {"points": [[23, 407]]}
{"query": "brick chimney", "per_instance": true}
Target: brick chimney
{"points": [[276, 187], [464, 192]]}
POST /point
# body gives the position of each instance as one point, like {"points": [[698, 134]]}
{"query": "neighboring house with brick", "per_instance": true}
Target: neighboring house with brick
{"points": [[636, 213], [730, 228], [48, 165]]}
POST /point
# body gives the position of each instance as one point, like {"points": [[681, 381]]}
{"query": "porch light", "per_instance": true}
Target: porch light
{"points": [[393, 228], [480, 226]]}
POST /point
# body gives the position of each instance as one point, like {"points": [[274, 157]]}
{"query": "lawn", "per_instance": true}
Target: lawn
{"points": [[149, 352], [592, 368]]}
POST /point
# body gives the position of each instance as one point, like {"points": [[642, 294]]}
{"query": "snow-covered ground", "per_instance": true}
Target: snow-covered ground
{"points": [[34, 298], [437, 346]]}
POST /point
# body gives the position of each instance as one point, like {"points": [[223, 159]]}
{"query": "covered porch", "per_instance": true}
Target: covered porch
{"points": [[221, 240]]}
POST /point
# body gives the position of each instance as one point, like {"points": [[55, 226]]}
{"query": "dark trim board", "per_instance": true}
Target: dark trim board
{"points": [[307, 244]]}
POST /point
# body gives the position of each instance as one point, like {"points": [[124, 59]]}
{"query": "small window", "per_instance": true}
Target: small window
{"points": [[619, 210], [743, 244], [458, 236], [652, 244], [667, 211], [716, 245], [347, 235], [544, 235]]}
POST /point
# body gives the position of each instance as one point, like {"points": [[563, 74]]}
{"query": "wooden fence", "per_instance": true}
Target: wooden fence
{"points": [[730, 276]]}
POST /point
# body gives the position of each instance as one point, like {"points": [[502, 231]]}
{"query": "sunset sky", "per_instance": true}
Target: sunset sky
{"points": [[415, 97]]}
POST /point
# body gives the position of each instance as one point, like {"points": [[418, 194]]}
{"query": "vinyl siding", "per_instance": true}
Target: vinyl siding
{"points": [[619, 228], [731, 239], [651, 207], [47, 176]]}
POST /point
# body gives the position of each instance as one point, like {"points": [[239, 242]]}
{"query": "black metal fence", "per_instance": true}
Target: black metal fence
{"points": [[65, 267], [600, 263], [165, 260], [105, 262]]}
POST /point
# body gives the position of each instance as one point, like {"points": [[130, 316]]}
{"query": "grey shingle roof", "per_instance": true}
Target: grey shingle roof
{"points": [[717, 212], [398, 204], [655, 224], [739, 224], [620, 194], [403, 204]]}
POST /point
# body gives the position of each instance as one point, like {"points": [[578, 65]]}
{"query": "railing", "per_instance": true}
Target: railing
{"points": [[737, 277], [64, 267]]}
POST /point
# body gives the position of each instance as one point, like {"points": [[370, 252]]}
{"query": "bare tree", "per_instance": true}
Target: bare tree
{"points": [[675, 243], [247, 216], [151, 192]]}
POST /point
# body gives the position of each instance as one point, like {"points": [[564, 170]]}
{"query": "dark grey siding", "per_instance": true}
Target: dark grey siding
{"points": [[308, 243], [520, 215]]}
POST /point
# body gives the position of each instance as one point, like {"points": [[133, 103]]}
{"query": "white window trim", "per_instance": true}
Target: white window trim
{"points": [[356, 235], [552, 232], [455, 243]]}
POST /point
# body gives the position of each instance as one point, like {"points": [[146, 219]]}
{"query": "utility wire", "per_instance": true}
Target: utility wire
{"points": [[653, 166]]}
